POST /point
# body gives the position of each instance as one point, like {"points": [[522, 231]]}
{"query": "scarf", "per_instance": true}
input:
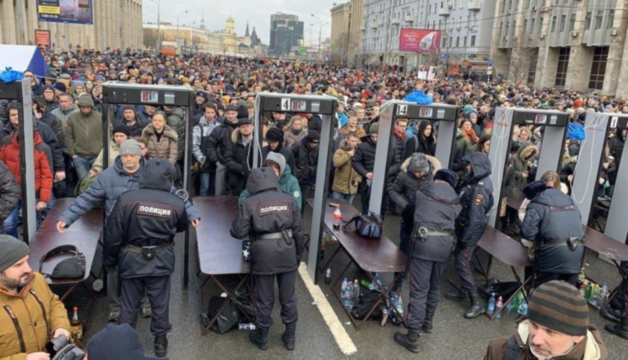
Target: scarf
{"points": [[400, 135], [297, 132]]}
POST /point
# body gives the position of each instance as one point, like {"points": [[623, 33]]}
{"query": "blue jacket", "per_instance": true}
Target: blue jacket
{"points": [[109, 186]]}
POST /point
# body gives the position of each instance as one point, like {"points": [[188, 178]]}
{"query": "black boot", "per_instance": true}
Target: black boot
{"points": [[609, 314], [620, 329], [457, 295], [427, 323], [289, 337], [409, 341], [259, 337], [476, 309], [161, 345]]}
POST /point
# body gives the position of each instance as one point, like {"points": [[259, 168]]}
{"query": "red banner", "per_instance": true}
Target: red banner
{"points": [[419, 40], [42, 38]]}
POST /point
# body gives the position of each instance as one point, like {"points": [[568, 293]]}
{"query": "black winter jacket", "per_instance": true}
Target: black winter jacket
{"points": [[269, 211], [552, 215], [397, 151], [403, 190], [306, 159], [136, 128], [476, 198], [218, 141], [437, 207], [9, 194], [234, 161], [363, 160], [287, 154], [616, 147], [150, 216], [48, 136]]}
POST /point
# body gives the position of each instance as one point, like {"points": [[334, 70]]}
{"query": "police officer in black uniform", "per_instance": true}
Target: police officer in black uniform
{"points": [[140, 241], [433, 241], [476, 198], [273, 221]]}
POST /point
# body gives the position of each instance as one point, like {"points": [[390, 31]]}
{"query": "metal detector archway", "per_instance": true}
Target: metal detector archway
{"points": [[325, 106], [585, 185], [550, 153], [20, 92], [154, 95], [446, 115]]}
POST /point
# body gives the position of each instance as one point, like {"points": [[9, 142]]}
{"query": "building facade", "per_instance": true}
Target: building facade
{"points": [[340, 28], [355, 32], [577, 45], [466, 27], [286, 32], [116, 24]]}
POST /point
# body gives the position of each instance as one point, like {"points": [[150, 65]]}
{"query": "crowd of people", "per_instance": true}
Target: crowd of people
{"points": [[68, 141]]}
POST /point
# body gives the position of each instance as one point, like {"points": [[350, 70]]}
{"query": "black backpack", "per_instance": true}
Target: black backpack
{"points": [[369, 226], [364, 304]]}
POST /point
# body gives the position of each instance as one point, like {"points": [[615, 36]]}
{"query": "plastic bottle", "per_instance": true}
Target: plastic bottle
{"points": [[583, 290], [76, 325], [582, 277], [399, 304], [490, 309], [246, 327], [595, 293], [500, 305], [343, 291], [348, 294], [384, 318], [337, 217], [374, 283], [366, 284], [355, 295], [328, 277], [523, 307], [603, 295], [587, 292]]}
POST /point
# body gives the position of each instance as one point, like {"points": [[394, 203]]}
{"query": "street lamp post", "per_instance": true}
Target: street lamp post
{"points": [[320, 32], [178, 17], [158, 25]]}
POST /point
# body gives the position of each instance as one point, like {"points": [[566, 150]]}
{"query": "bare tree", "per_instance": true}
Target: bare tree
{"points": [[521, 59], [195, 43], [340, 47], [150, 38]]}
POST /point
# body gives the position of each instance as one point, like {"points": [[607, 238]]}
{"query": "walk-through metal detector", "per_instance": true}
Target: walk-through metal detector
{"points": [[20, 92], [115, 94], [446, 115], [590, 161], [555, 125], [325, 106]]}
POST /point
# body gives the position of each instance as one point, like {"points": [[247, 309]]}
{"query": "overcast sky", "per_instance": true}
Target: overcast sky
{"points": [[256, 12]]}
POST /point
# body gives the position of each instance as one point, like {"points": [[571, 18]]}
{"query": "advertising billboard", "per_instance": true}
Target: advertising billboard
{"points": [[66, 11], [419, 40], [42, 38]]}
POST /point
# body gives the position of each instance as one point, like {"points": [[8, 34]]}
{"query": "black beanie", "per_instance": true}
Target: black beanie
{"points": [[121, 128], [274, 135]]}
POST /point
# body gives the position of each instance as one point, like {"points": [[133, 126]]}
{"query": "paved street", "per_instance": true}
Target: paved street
{"points": [[453, 336]]}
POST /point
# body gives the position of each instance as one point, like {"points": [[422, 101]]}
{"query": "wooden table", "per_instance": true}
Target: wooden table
{"points": [[218, 252], [371, 255], [84, 234]]}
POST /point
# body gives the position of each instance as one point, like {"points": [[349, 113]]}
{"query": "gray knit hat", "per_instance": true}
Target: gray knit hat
{"points": [[130, 147], [12, 251], [419, 163], [279, 159], [559, 306]]}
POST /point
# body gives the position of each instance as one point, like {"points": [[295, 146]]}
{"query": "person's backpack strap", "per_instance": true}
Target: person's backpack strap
{"points": [[512, 349]]}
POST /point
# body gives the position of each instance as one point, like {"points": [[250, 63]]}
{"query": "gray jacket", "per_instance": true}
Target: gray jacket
{"points": [[203, 129], [109, 186]]}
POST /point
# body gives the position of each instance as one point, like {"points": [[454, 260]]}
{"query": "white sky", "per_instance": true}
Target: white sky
{"points": [[256, 12]]}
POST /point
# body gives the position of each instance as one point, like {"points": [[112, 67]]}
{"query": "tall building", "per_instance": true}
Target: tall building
{"points": [[116, 24], [286, 32], [340, 27], [578, 45], [466, 27], [355, 31]]}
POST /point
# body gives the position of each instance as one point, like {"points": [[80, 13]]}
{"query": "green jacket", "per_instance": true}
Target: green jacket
{"points": [[83, 135], [287, 184]]}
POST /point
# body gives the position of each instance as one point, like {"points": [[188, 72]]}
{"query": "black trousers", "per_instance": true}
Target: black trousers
{"points": [[424, 290], [404, 245], [464, 267], [543, 277], [266, 298], [158, 290]]}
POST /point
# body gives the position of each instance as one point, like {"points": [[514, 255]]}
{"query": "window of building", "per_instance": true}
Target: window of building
{"points": [[553, 24], [451, 41], [572, 22], [472, 40], [532, 26], [525, 26], [501, 26], [598, 68], [457, 41], [464, 41], [534, 54], [598, 19], [563, 21], [563, 64], [587, 21], [540, 24], [611, 19]]}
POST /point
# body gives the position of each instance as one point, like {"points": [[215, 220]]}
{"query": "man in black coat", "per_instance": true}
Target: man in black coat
{"points": [[273, 222], [235, 156], [553, 223], [220, 138], [476, 199], [437, 207], [140, 241], [9, 194], [274, 137], [130, 119], [306, 157]]}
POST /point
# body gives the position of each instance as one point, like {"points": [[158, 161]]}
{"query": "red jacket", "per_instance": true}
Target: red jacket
{"points": [[10, 154]]}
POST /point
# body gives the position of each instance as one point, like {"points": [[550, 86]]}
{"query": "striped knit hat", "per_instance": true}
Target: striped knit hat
{"points": [[559, 306]]}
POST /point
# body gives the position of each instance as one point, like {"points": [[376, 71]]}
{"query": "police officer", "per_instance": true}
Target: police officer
{"points": [[414, 174], [553, 223], [476, 198], [437, 207], [140, 241], [273, 221]]}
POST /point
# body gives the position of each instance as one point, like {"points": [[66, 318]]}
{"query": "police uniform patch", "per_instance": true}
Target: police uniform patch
{"points": [[296, 194], [273, 208], [479, 199], [156, 210]]}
